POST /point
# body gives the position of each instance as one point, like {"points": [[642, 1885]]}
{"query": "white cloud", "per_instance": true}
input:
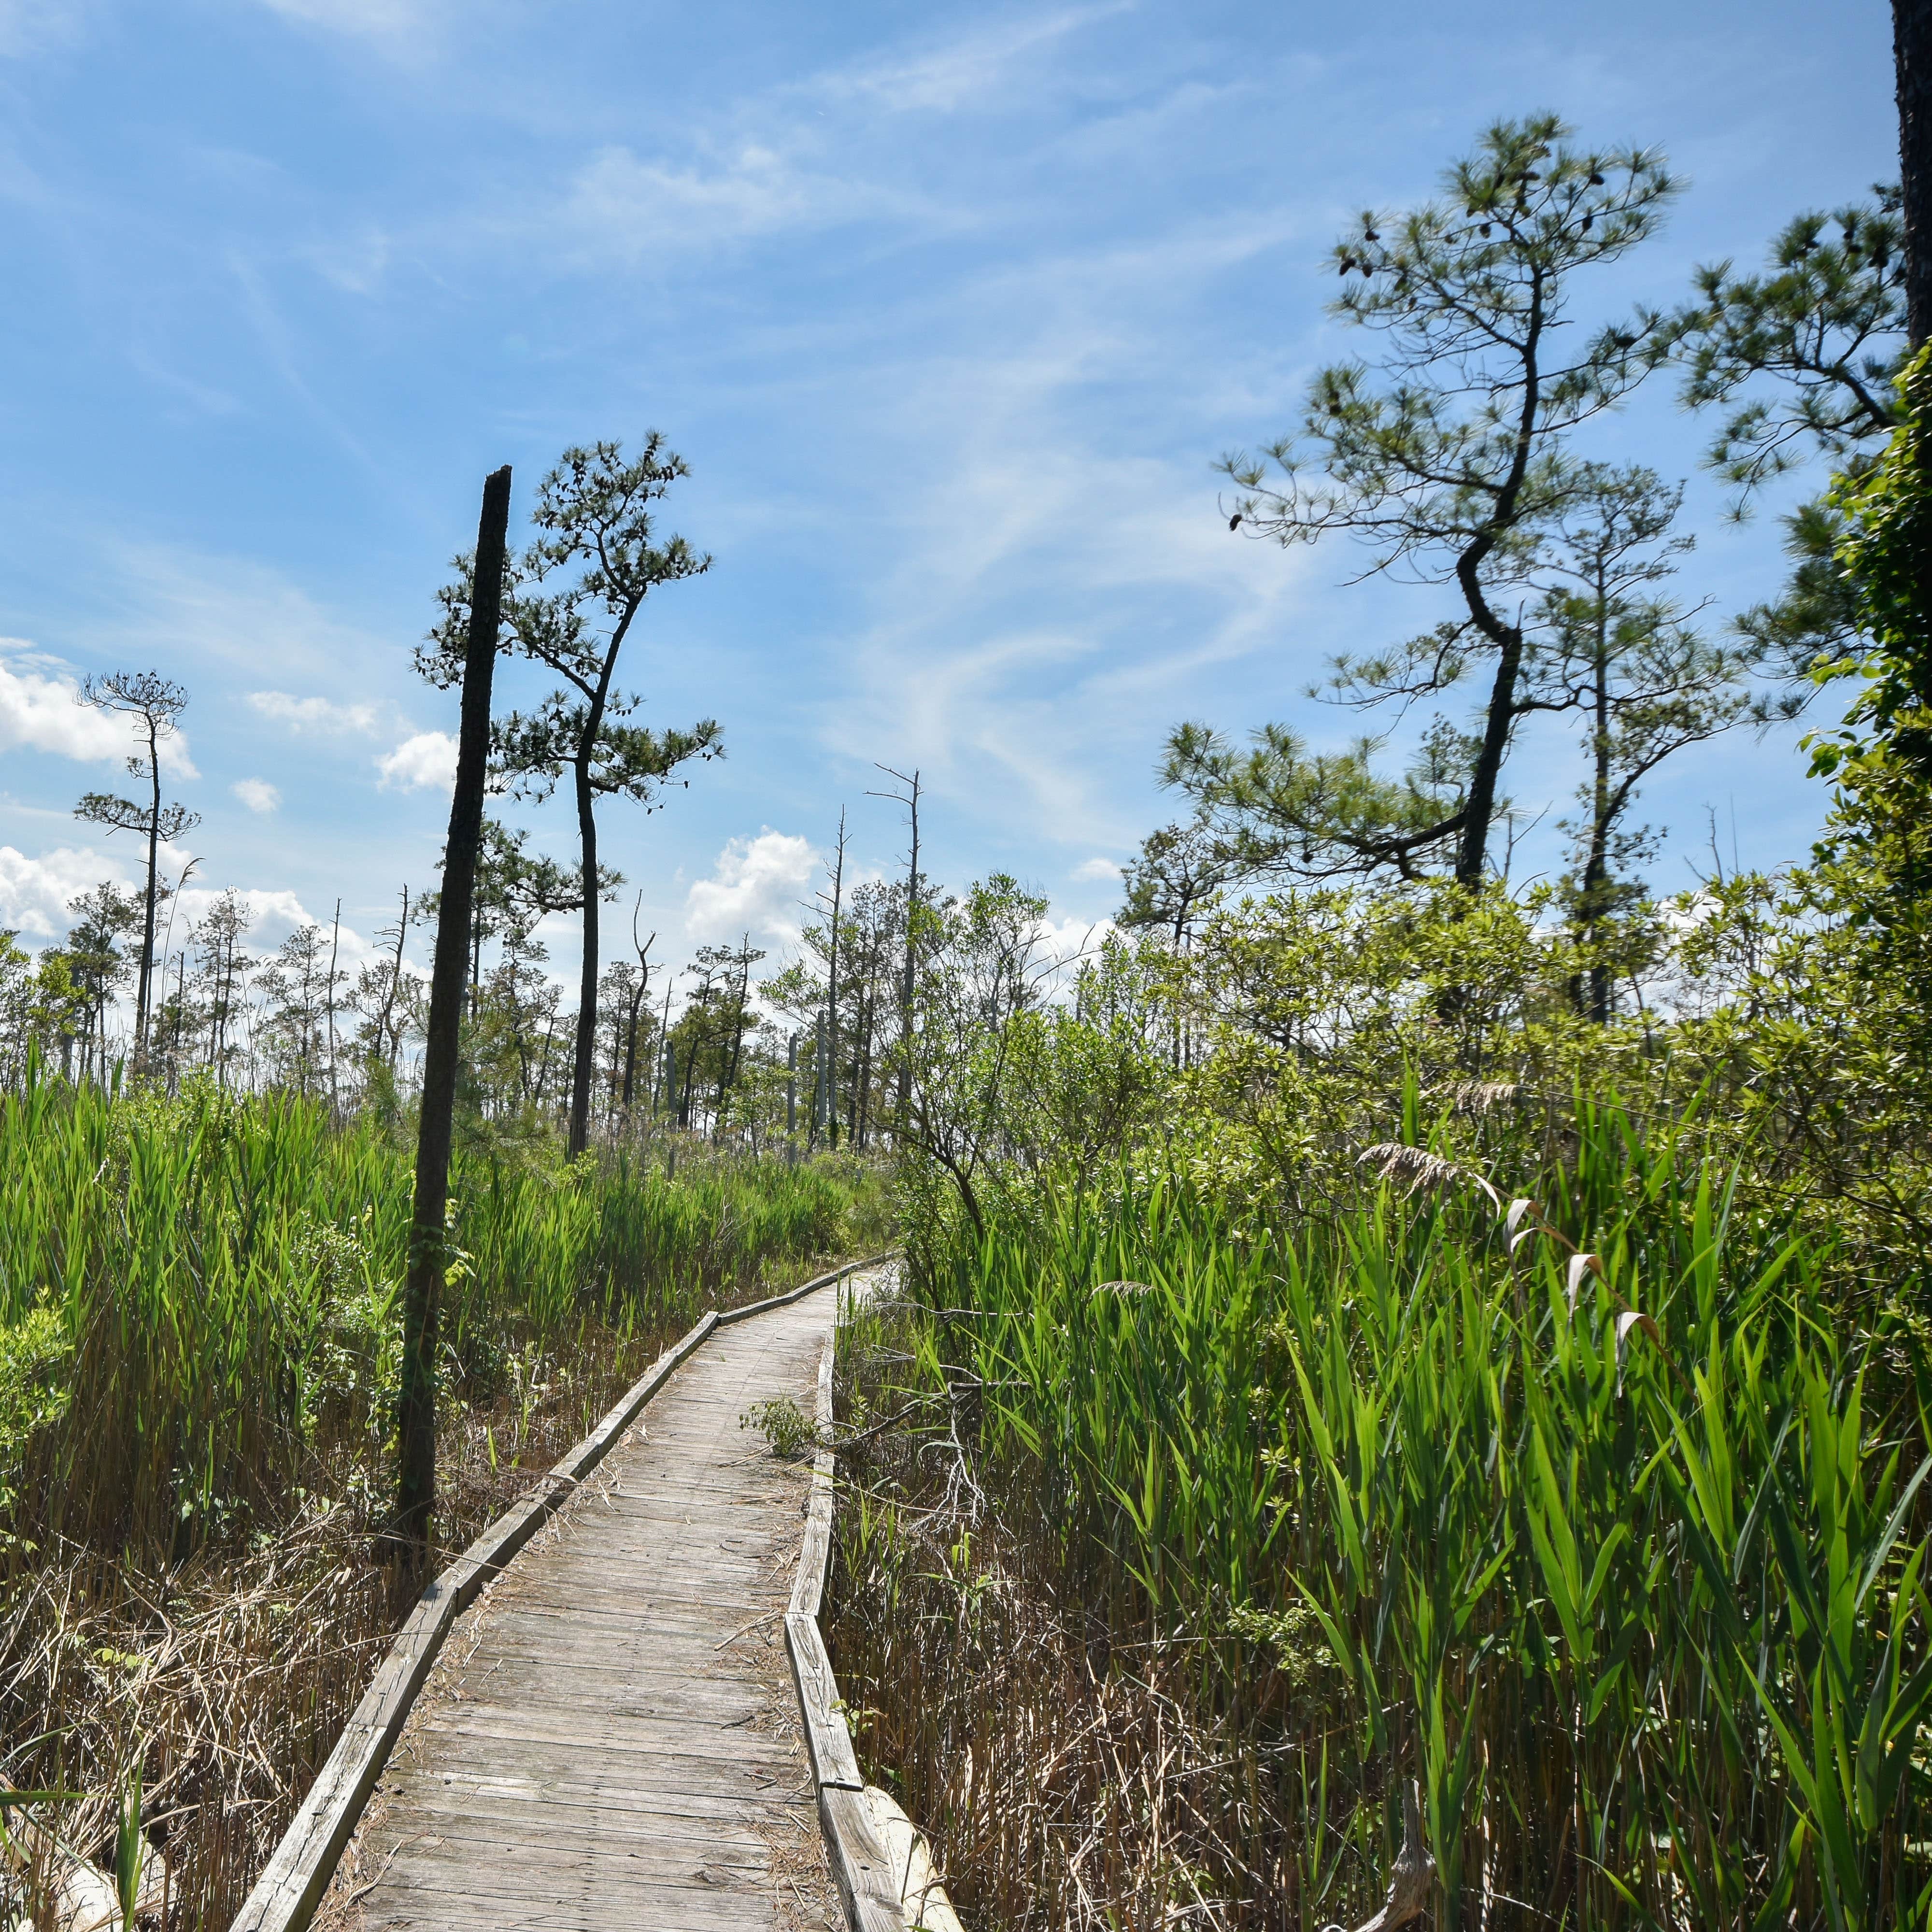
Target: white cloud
{"points": [[379, 20], [274, 913], [34, 893], [257, 794], [313, 714], [205, 614], [975, 66], [755, 887], [425, 762], [1060, 946], [620, 205], [26, 26], [1096, 868], [40, 708]]}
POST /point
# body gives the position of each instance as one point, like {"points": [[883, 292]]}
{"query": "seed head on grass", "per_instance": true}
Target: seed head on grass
{"points": [[1394, 1160]]}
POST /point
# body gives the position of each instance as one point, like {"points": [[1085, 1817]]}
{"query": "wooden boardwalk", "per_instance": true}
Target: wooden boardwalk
{"points": [[605, 1744]]}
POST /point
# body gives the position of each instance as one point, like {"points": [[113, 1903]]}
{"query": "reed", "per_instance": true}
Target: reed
{"points": [[1590, 1512], [199, 1334]]}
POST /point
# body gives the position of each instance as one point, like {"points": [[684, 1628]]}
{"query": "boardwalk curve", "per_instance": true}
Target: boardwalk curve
{"points": [[611, 1738]]}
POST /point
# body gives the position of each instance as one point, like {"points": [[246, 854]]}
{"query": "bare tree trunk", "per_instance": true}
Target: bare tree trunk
{"points": [[328, 1007], [661, 1099], [1912, 51], [415, 1494], [861, 1073], [831, 992], [910, 799], [147, 927], [637, 1005], [586, 994], [383, 1042]]}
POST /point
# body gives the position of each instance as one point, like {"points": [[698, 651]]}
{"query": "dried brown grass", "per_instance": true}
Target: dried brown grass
{"points": [[223, 1681], [1066, 1776]]}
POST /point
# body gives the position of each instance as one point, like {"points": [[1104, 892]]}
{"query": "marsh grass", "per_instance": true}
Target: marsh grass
{"points": [[1622, 1559], [199, 1329]]}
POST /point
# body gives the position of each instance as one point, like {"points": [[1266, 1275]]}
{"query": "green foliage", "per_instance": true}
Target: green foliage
{"points": [[1802, 360], [1451, 462], [1637, 1543], [192, 1290], [791, 1433], [1877, 853], [1802, 357]]}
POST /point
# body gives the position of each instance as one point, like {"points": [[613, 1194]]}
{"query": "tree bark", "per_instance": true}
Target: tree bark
{"points": [[831, 995], [908, 987], [142, 994], [415, 1496], [1912, 50], [1472, 848], [586, 994]]}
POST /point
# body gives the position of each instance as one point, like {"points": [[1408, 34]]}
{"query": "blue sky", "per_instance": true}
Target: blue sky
{"points": [[949, 308]]}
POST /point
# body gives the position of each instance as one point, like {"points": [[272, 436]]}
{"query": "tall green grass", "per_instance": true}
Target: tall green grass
{"points": [[191, 1289], [1622, 1559]]}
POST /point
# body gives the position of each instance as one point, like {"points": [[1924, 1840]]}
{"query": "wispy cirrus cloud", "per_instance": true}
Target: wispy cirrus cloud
{"points": [[622, 207], [968, 69], [27, 26], [372, 19]]}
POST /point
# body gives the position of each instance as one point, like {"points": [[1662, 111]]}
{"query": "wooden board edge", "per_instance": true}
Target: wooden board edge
{"points": [[861, 1864], [828, 1737]]}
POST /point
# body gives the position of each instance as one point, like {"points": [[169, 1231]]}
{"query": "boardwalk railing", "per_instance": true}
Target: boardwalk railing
{"points": [[287, 1893]]}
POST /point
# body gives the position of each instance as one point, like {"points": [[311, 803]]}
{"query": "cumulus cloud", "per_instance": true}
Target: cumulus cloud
{"points": [[34, 893], [313, 714], [755, 887], [273, 913], [1097, 868], [40, 710], [1060, 946], [257, 794], [426, 761]]}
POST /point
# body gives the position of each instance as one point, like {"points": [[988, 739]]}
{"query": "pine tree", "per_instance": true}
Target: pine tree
{"points": [[1447, 462]]}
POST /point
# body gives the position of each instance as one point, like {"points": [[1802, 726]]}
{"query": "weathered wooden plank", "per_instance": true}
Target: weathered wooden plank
{"points": [[861, 1865], [649, 1851], [605, 1727], [285, 1896], [827, 1734], [619, 1824], [799, 1294], [470, 1901], [553, 1782], [814, 1555], [599, 1885], [607, 1673]]}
